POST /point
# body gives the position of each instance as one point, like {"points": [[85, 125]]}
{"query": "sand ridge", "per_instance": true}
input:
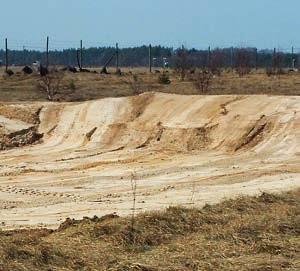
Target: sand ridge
{"points": [[186, 150]]}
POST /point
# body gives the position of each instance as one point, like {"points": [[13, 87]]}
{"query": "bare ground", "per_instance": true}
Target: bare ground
{"points": [[250, 233], [181, 150]]}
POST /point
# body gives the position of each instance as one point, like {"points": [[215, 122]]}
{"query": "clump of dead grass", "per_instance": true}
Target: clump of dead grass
{"points": [[95, 86], [247, 233]]}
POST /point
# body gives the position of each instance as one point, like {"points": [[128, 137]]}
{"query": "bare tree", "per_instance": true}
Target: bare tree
{"points": [[182, 63], [243, 62], [217, 61], [51, 84], [277, 63], [202, 80]]}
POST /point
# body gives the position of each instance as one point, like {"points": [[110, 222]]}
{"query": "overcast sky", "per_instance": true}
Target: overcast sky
{"points": [[194, 23]]}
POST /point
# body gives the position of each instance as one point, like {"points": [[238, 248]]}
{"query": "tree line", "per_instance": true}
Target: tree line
{"points": [[139, 56]]}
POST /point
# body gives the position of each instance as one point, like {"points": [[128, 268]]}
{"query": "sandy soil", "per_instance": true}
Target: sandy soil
{"points": [[186, 150], [11, 125]]}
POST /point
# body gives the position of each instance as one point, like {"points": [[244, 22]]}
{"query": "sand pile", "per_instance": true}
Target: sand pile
{"points": [[180, 149]]}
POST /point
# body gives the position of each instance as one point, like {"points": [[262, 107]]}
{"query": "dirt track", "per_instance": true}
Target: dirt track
{"points": [[181, 149]]}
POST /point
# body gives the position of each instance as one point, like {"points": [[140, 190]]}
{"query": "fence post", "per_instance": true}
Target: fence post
{"points": [[256, 59], [209, 57], [150, 58], [47, 53], [81, 55], [6, 55], [274, 59], [24, 57], [231, 58], [117, 57], [293, 60]]}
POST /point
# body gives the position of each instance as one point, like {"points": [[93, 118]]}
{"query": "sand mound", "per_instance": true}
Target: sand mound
{"points": [[181, 150], [173, 122]]}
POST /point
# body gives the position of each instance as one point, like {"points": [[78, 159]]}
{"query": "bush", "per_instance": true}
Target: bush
{"points": [[135, 85], [182, 63], [269, 71], [164, 79], [72, 85], [202, 80]]}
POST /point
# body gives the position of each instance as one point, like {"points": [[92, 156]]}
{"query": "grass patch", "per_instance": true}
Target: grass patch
{"points": [[88, 86], [248, 233]]}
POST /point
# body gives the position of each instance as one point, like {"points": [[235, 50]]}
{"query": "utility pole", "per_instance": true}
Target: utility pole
{"points": [[6, 56], [117, 57], [47, 53], [81, 55], [150, 58]]}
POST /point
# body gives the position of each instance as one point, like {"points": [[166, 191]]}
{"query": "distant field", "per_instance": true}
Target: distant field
{"points": [[87, 86]]}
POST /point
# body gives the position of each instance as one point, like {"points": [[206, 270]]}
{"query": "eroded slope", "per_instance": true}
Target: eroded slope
{"points": [[180, 150]]}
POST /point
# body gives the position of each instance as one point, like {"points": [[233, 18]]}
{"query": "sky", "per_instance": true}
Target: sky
{"points": [[192, 23]]}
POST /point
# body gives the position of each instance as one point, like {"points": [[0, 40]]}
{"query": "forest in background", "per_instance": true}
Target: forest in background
{"points": [[139, 57]]}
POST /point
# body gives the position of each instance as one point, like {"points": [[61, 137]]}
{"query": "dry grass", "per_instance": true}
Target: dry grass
{"points": [[249, 233], [86, 86]]}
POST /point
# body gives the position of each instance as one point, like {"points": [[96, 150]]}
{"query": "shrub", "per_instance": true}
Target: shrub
{"points": [[164, 79], [182, 63], [202, 80], [72, 85], [135, 84]]}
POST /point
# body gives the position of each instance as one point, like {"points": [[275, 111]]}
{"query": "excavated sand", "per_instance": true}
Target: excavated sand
{"points": [[182, 150]]}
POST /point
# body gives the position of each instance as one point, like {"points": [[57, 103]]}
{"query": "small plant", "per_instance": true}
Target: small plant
{"points": [[202, 80], [269, 71], [72, 85], [193, 193], [133, 190], [164, 79], [135, 84]]}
